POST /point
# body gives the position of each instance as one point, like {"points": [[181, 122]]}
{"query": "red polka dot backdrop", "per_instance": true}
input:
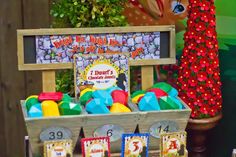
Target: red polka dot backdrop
{"points": [[199, 74]]}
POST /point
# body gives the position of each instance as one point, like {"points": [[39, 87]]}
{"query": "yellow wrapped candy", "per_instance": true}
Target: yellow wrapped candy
{"points": [[50, 108], [118, 107]]}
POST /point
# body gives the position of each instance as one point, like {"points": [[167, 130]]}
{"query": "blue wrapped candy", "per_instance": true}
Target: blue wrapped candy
{"points": [[149, 102], [97, 106], [36, 111], [104, 96]]}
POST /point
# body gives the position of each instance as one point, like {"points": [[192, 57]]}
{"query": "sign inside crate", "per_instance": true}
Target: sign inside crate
{"points": [[101, 72], [41, 49]]}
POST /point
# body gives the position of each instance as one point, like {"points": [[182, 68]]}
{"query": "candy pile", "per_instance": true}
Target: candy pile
{"points": [[161, 96], [111, 100], [51, 104]]}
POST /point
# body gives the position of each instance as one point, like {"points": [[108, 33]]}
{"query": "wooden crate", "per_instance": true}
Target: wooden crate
{"points": [[89, 123]]}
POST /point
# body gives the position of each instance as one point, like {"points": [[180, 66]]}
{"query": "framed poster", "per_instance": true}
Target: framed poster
{"points": [[44, 49], [60, 148], [173, 144], [135, 145], [96, 147], [101, 71]]}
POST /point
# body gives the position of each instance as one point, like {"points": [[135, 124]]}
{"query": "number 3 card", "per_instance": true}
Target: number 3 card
{"points": [[96, 147], [135, 145], [60, 148]]}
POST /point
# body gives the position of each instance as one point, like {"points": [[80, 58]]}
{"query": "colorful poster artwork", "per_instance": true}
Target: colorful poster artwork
{"points": [[61, 48], [96, 147], [61, 148], [101, 71], [135, 145], [173, 144]]}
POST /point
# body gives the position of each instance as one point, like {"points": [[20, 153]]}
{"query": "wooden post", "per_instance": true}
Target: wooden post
{"points": [[147, 77], [49, 81]]}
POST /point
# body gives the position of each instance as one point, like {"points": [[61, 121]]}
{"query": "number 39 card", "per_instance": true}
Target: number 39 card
{"points": [[135, 145], [96, 147]]}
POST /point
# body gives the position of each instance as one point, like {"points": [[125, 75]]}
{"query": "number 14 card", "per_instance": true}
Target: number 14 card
{"points": [[135, 145]]}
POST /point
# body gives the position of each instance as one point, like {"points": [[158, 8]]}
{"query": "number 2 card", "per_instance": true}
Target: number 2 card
{"points": [[135, 145], [96, 147]]}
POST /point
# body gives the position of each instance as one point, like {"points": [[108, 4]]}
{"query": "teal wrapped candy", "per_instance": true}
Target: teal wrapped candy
{"points": [[97, 106], [173, 92], [35, 111], [103, 96], [69, 108], [162, 85], [149, 102]]}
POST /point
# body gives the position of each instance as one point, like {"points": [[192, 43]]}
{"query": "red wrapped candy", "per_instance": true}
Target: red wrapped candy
{"points": [[120, 96], [158, 92]]}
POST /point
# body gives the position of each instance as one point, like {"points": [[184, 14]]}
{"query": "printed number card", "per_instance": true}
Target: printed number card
{"points": [[59, 148], [173, 144], [101, 71], [135, 145], [96, 147]]}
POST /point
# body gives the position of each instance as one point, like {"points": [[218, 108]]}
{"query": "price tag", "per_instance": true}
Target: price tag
{"points": [[55, 133], [113, 131], [164, 126]]}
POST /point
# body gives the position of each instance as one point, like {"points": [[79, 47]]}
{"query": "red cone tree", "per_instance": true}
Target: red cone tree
{"points": [[199, 74]]}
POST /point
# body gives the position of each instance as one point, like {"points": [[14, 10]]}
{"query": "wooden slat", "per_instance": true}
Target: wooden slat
{"points": [[161, 61], [29, 67], [172, 43], [2, 113], [147, 77], [49, 81], [12, 81], [58, 31], [2, 109]]}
